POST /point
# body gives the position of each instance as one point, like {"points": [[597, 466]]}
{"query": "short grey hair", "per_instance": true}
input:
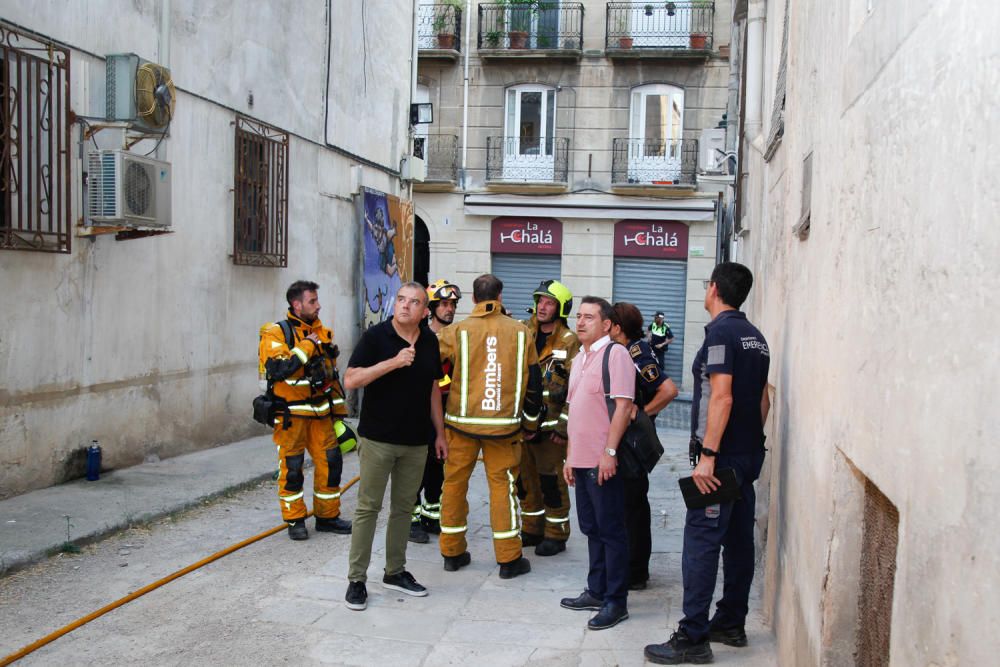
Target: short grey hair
{"points": [[417, 286]]}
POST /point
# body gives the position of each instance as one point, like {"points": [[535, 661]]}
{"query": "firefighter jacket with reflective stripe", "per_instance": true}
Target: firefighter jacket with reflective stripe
{"points": [[495, 380], [554, 361], [290, 370]]}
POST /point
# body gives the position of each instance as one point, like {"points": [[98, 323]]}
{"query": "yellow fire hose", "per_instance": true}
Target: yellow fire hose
{"points": [[31, 648]]}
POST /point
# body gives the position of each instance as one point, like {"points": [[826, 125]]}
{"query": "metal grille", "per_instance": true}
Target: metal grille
{"points": [[34, 136], [520, 275], [527, 159], [441, 153], [654, 161], [652, 285], [531, 25], [879, 540], [439, 27], [681, 26], [260, 194]]}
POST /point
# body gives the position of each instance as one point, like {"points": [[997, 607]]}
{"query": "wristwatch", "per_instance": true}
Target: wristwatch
{"points": [[710, 453], [610, 452]]}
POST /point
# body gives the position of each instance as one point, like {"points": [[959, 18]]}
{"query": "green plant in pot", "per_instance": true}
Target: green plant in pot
{"points": [[520, 14], [444, 23], [701, 20], [621, 28]]}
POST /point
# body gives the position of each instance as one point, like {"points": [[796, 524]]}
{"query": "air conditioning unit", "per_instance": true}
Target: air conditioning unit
{"points": [[139, 92], [127, 189], [413, 169], [712, 150]]}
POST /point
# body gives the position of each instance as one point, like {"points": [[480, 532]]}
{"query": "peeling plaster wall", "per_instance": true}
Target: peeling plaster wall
{"points": [[149, 345], [882, 323]]}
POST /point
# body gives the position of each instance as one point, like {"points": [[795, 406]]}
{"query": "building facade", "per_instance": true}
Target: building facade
{"points": [[864, 211], [576, 141], [147, 341]]}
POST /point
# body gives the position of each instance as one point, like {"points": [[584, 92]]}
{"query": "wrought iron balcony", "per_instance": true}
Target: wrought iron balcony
{"points": [[518, 29], [440, 151], [661, 29], [439, 30], [654, 162], [527, 159]]}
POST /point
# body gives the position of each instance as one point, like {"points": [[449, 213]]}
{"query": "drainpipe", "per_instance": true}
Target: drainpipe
{"points": [[411, 134], [465, 92], [163, 55], [756, 20]]}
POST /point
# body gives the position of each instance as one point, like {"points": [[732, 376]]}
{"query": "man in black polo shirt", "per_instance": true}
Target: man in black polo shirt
{"points": [[399, 364], [728, 411]]}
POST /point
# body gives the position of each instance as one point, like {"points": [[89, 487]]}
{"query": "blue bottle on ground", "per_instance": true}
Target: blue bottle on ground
{"points": [[93, 462]]}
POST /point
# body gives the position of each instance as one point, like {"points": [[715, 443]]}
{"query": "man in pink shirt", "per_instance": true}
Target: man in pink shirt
{"points": [[591, 461]]}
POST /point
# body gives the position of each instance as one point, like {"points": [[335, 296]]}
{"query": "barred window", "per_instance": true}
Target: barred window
{"points": [[35, 191], [260, 195]]}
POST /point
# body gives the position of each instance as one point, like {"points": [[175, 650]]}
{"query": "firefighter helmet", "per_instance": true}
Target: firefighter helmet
{"points": [[442, 290], [555, 290]]}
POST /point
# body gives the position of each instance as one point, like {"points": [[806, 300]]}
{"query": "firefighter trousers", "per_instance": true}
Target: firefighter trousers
{"points": [[544, 494], [500, 458], [317, 437]]}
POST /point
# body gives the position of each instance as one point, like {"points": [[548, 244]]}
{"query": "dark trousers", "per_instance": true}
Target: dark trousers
{"points": [[430, 486], [660, 354], [637, 525], [727, 528], [600, 510]]}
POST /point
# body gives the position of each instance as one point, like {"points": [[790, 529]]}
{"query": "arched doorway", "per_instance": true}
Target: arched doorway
{"points": [[421, 252]]}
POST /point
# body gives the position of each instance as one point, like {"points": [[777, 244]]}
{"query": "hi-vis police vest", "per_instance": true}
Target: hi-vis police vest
{"points": [[287, 368], [495, 381], [554, 361]]}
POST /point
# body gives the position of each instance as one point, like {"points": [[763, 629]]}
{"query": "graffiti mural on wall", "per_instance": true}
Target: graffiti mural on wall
{"points": [[387, 229]]}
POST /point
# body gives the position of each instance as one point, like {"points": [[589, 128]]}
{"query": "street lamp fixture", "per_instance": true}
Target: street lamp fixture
{"points": [[421, 113]]}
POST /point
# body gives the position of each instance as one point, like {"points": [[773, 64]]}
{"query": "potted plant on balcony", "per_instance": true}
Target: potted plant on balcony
{"points": [[624, 39], [700, 15], [520, 14], [444, 23]]}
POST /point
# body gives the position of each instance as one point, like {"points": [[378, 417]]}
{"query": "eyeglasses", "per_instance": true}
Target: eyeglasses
{"points": [[705, 284]]}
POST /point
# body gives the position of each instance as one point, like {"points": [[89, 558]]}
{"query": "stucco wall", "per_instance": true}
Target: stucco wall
{"points": [[880, 324], [149, 345]]}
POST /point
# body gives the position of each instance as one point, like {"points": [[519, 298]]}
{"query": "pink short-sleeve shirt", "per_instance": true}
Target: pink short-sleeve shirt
{"points": [[588, 412]]}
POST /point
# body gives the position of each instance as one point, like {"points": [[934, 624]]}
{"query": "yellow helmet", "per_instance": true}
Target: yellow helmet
{"points": [[555, 290], [443, 290]]}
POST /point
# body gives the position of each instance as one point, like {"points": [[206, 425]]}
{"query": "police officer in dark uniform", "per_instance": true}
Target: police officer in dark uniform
{"points": [[660, 337], [654, 390], [728, 411]]}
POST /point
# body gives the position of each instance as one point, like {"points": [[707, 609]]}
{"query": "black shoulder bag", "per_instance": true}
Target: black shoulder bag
{"points": [[640, 448]]}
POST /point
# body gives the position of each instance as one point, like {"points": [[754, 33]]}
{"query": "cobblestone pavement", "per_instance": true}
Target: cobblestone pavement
{"points": [[279, 601]]}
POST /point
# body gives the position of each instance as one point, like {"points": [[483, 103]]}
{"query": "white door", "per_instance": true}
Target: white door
{"points": [[528, 134], [655, 131]]}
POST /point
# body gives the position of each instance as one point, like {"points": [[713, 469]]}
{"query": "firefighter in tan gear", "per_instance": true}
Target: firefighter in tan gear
{"points": [[299, 360], [495, 392], [544, 494]]}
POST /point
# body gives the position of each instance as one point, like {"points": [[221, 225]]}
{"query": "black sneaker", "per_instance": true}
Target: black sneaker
{"points": [[530, 539], [453, 563], [417, 533], [297, 530], [356, 597], [735, 636], [404, 582], [431, 526], [610, 615], [679, 650], [334, 525], [585, 600], [549, 547], [515, 568]]}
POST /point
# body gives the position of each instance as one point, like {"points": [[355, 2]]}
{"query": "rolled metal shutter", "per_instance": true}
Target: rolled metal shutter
{"points": [[652, 285], [520, 275]]}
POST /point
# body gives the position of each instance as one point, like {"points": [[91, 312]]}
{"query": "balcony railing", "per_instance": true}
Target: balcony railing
{"points": [[653, 161], [516, 28], [684, 28], [527, 159], [439, 27], [440, 151]]}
